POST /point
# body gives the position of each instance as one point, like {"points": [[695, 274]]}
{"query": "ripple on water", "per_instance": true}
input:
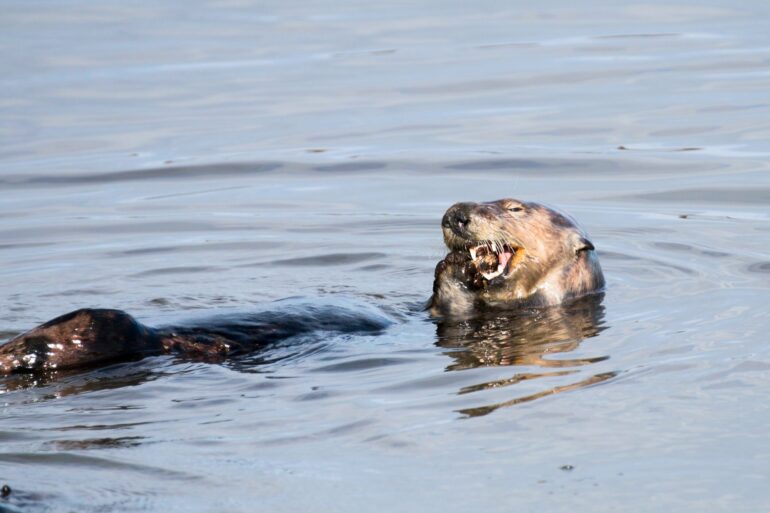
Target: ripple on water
{"points": [[70, 459], [181, 173], [759, 268], [329, 259], [96, 443], [360, 364]]}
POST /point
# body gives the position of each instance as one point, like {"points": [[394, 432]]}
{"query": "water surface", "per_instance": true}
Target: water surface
{"points": [[194, 158]]}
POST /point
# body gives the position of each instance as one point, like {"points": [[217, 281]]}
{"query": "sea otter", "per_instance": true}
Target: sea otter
{"points": [[512, 254], [503, 254]]}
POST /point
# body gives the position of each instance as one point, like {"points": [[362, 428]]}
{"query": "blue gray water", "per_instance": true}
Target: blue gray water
{"points": [[182, 159]]}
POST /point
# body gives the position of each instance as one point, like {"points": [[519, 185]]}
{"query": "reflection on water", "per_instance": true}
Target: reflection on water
{"points": [[97, 443], [55, 384], [536, 337], [484, 410]]}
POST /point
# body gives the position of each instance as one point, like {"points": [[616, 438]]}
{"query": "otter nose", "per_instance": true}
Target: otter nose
{"points": [[461, 219], [457, 219]]}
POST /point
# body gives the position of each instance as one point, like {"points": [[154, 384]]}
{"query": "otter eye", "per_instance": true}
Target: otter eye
{"points": [[514, 209]]}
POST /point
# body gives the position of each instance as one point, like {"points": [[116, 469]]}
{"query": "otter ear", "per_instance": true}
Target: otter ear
{"points": [[580, 243]]}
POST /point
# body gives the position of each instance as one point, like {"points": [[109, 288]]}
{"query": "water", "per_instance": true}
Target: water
{"points": [[192, 158]]}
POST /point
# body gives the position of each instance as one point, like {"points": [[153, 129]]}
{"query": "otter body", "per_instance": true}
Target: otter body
{"points": [[510, 254], [504, 254], [91, 337]]}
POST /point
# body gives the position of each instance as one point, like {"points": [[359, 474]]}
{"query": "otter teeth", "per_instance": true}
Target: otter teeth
{"points": [[491, 276], [474, 251], [503, 257]]}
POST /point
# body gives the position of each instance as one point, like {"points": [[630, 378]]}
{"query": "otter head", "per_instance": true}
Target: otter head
{"points": [[510, 253]]}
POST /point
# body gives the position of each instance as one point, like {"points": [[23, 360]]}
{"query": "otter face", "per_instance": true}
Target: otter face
{"points": [[513, 252]]}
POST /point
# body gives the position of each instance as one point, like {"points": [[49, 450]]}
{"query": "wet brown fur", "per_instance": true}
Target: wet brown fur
{"points": [[91, 337], [77, 339]]}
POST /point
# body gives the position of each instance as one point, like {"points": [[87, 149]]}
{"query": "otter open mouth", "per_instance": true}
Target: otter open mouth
{"points": [[493, 260]]}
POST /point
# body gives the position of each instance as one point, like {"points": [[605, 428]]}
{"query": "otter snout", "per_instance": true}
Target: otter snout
{"points": [[457, 218], [463, 219]]}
